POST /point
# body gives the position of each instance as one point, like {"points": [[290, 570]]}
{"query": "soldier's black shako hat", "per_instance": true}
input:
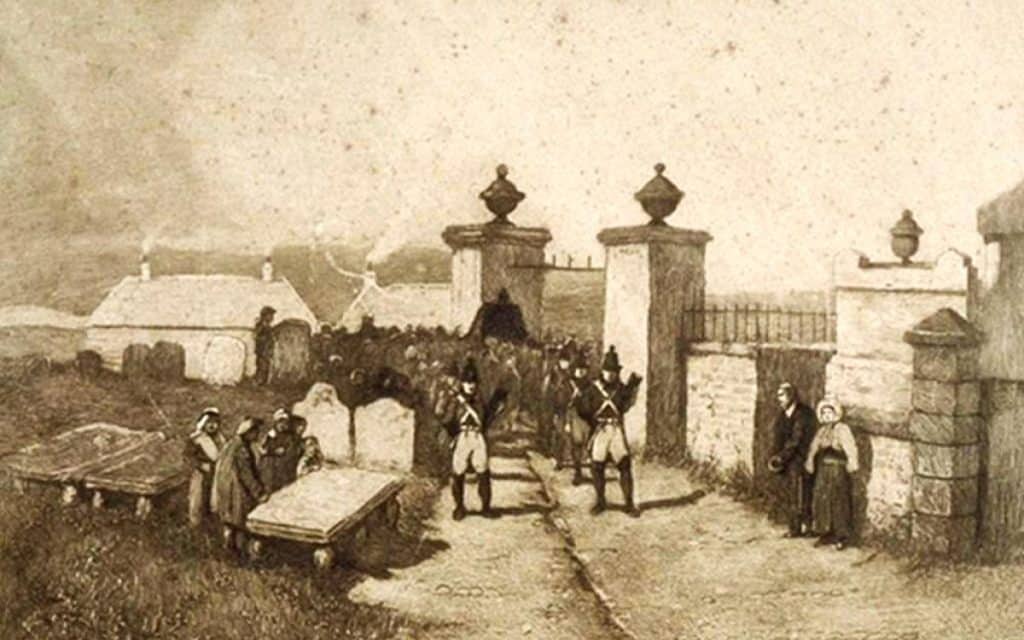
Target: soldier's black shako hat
{"points": [[266, 312], [469, 372], [611, 360]]}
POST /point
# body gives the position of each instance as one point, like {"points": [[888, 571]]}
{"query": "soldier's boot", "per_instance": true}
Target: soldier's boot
{"points": [[458, 485], [577, 465], [484, 488], [626, 482], [600, 505]]}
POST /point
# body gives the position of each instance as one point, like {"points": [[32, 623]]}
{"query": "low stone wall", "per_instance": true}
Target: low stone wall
{"points": [[731, 406], [721, 384]]}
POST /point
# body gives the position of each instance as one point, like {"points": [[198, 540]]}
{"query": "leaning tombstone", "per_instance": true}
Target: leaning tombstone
{"points": [[292, 357], [327, 420], [385, 436], [224, 361], [88, 363], [133, 362], [166, 362]]}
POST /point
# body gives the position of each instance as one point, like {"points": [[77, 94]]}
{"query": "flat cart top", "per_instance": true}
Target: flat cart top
{"points": [[323, 505], [70, 456], [150, 470]]}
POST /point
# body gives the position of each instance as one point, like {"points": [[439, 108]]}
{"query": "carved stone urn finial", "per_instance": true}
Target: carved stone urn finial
{"points": [[906, 237], [659, 197], [501, 197]]}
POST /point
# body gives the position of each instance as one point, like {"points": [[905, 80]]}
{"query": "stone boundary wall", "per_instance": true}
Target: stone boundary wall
{"points": [[730, 400]]}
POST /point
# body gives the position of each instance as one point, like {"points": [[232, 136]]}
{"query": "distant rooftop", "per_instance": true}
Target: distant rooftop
{"points": [[198, 302]]}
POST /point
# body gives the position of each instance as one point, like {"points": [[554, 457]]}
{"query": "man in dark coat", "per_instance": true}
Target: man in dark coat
{"points": [[263, 338], [557, 392], [794, 430], [236, 488], [466, 417], [501, 319], [603, 406]]}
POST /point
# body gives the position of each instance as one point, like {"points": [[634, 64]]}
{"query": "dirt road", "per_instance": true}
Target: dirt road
{"points": [[504, 578]]}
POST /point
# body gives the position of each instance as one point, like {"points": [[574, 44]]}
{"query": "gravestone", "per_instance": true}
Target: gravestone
{"points": [[292, 357], [327, 420], [224, 360], [385, 436], [88, 363], [133, 361], [167, 362]]}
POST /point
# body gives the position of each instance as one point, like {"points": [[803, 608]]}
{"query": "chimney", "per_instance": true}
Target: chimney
{"points": [[144, 272], [370, 276], [268, 270]]}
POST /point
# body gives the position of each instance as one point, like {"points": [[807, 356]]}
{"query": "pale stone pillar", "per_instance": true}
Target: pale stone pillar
{"points": [[652, 273], [489, 257]]}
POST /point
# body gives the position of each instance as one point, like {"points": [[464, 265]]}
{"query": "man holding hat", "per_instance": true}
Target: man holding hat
{"points": [[603, 406], [794, 431], [466, 417], [202, 448]]}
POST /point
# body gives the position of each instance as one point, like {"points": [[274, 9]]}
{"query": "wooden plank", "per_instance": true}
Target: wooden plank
{"points": [[70, 456], [323, 505], [155, 468]]}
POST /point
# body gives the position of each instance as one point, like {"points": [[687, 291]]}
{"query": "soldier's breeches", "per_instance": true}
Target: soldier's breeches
{"points": [[609, 443], [470, 451]]}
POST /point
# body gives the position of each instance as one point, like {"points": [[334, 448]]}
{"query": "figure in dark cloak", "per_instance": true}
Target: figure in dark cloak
{"points": [[501, 319]]}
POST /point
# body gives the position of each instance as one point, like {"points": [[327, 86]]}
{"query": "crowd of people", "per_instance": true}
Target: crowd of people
{"points": [[817, 454], [229, 477]]}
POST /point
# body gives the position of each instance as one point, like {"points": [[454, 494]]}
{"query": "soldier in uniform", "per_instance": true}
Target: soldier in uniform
{"points": [[466, 417], [576, 432], [557, 393], [603, 406]]}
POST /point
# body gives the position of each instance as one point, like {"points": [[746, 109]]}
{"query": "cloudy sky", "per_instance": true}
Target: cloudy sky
{"points": [[795, 128]]}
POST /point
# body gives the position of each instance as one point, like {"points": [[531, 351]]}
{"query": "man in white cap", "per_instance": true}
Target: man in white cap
{"points": [[202, 448], [236, 488]]}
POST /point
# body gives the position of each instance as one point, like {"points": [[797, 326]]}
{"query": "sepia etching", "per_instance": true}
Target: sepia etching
{"points": [[453, 319]]}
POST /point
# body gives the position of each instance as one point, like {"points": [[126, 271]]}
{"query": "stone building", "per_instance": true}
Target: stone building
{"points": [[209, 315]]}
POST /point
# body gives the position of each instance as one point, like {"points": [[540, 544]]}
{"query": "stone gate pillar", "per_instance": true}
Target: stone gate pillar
{"points": [[652, 272], [946, 430], [495, 255]]}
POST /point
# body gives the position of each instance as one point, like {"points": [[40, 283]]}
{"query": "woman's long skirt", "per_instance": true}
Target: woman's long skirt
{"points": [[832, 507]]}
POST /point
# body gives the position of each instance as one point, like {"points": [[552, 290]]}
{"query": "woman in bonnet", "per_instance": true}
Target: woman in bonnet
{"points": [[832, 459]]}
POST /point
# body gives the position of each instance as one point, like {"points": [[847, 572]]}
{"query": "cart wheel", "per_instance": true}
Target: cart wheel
{"points": [[69, 495], [323, 558], [143, 507], [98, 500], [256, 548], [392, 511]]}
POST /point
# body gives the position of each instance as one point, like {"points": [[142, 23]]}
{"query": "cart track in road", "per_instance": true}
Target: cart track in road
{"points": [[511, 577]]}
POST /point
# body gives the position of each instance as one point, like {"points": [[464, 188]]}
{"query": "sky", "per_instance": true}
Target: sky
{"points": [[795, 129]]}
